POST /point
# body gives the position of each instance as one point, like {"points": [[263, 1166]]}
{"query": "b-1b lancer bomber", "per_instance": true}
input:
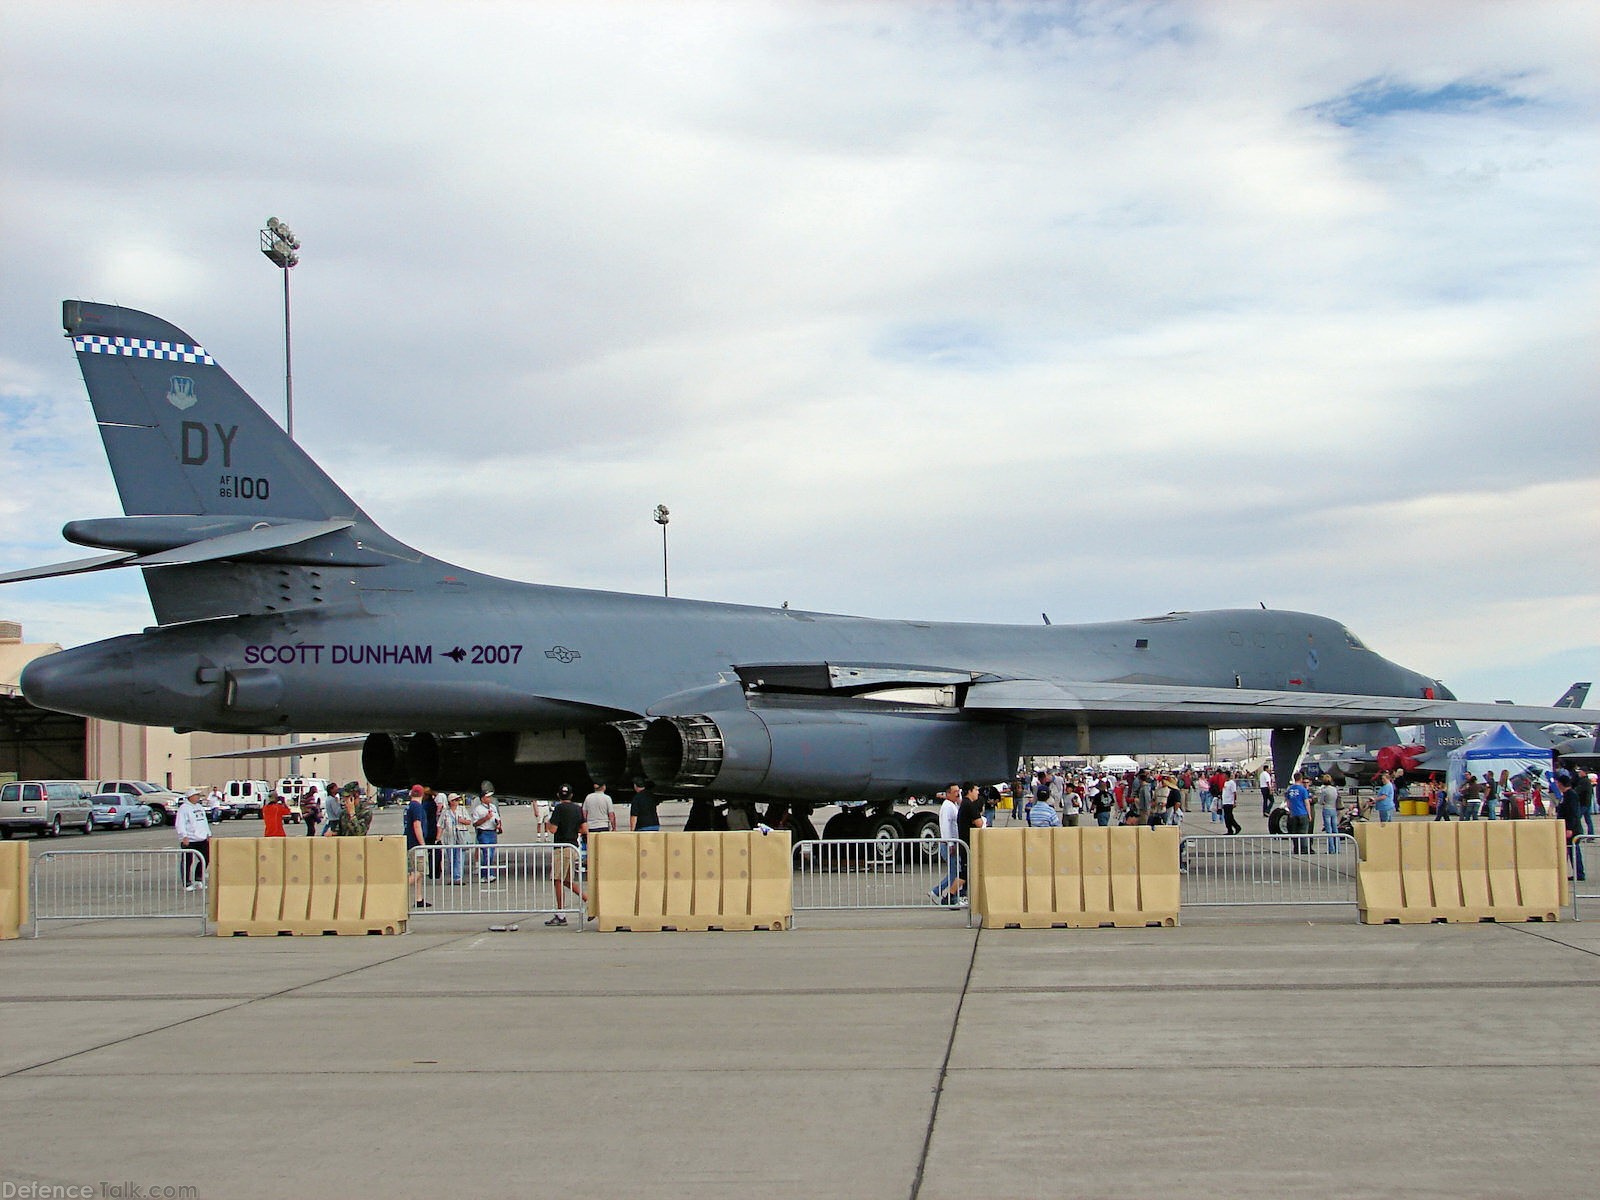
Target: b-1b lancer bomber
{"points": [[281, 607]]}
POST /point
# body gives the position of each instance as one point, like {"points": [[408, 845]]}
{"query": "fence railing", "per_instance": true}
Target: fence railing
{"points": [[879, 873], [1584, 849], [1265, 869], [509, 879], [107, 885]]}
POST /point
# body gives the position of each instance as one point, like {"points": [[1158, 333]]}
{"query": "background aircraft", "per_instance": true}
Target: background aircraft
{"points": [[281, 606]]}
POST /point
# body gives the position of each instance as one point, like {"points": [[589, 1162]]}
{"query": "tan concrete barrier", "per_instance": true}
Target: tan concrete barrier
{"points": [[13, 888], [1413, 873], [1076, 878], [264, 887], [691, 881]]}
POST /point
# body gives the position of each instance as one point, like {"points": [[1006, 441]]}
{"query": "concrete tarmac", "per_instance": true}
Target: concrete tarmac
{"points": [[892, 1055]]}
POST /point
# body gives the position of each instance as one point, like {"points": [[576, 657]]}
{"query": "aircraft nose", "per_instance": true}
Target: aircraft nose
{"points": [[90, 681]]}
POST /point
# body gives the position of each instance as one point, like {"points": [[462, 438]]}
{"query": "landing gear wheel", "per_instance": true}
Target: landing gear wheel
{"points": [[843, 825], [924, 826], [887, 829]]}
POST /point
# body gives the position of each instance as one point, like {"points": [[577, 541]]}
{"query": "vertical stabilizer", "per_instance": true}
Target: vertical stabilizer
{"points": [[181, 436]]}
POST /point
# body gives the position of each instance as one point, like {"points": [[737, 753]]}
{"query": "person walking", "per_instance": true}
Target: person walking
{"points": [[416, 825], [310, 811], [643, 815], [598, 811], [949, 832], [1265, 782], [1228, 801], [1584, 786], [1473, 799], [194, 833], [1298, 799], [1570, 808], [1100, 801], [566, 828], [969, 817]]}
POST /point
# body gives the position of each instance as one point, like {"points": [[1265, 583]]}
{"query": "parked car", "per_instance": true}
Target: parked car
{"points": [[246, 797], [118, 811], [44, 806], [163, 802]]}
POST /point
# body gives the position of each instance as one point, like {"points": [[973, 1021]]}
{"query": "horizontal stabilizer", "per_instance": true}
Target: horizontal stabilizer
{"points": [[238, 545], [78, 566], [241, 545]]}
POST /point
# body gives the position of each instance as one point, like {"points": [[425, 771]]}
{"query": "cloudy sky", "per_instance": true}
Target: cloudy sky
{"points": [[959, 311]]}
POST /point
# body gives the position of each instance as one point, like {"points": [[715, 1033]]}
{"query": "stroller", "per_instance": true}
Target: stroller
{"points": [[1348, 819]]}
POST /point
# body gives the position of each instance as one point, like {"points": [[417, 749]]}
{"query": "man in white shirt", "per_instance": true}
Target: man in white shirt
{"points": [[194, 833], [486, 827], [598, 810], [949, 831], [1230, 797]]}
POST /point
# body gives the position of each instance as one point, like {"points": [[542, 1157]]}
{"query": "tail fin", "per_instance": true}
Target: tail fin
{"points": [[1441, 737], [1573, 697], [225, 513], [184, 438]]}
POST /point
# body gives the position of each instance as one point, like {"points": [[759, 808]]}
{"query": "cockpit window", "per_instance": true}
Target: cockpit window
{"points": [[1355, 643]]}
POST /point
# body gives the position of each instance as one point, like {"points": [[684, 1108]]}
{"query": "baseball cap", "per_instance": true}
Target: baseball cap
{"points": [[417, 789]]}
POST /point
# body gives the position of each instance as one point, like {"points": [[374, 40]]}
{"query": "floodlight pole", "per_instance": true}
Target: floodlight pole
{"points": [[282, 248], [280, 245], [662, 516]]}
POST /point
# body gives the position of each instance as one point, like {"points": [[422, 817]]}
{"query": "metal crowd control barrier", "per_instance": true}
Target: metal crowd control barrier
{"points": [[1265, 869], [104, 885], [517, 879], [1587, 849], [871, 873]]}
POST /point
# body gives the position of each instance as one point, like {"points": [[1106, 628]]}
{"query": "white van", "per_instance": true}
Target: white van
{"points": [[246, 797], [292, 787]]}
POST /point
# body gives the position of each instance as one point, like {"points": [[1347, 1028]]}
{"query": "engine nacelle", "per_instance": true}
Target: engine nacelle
{"points": [[611, 752], [825, 755]]}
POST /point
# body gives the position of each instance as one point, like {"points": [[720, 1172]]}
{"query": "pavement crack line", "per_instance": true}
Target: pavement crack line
{"points": [[1534, 930], [944, 1068], [61, 1058]]}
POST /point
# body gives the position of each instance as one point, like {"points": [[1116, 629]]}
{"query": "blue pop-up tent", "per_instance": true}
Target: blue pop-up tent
{"points": [[1498, 749]]}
